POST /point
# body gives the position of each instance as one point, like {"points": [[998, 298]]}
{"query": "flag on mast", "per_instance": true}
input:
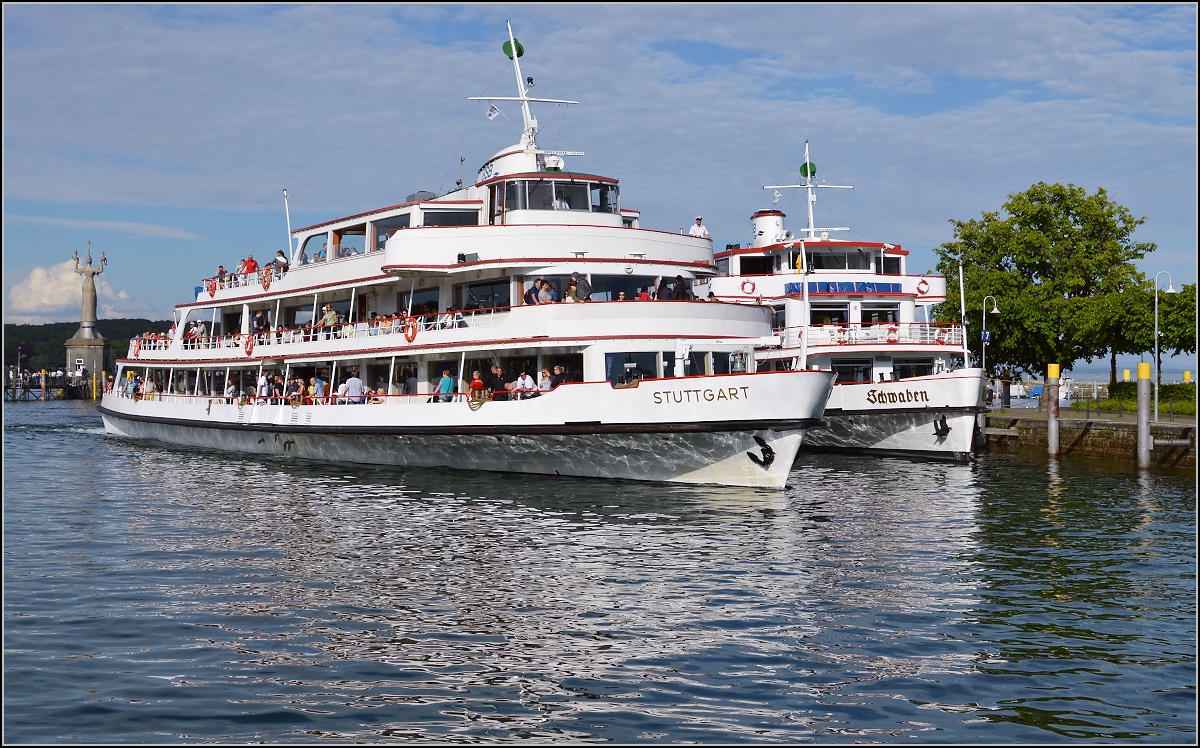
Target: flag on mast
{"points": [[492, 112]]}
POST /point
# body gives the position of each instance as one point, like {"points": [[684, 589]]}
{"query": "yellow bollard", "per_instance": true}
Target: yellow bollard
{"points": [[1050, 396], [1126, 379]]}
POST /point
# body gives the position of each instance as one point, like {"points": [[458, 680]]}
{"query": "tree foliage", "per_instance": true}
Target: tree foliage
{"points": [[1061, 266], [1177, 320]]}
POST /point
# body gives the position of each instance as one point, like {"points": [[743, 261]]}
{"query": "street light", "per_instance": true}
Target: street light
{"points": [[1157, 360], [995, 310]]}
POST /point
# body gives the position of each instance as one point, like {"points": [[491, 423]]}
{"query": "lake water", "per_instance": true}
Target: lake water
{"points": [[155, 594]]}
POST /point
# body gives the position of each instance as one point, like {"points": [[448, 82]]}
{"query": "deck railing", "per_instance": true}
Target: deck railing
{"points": [[885, 333]]}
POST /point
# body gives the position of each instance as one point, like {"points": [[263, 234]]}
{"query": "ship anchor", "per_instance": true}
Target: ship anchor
{"points": [[768, 454], [941, 429]]}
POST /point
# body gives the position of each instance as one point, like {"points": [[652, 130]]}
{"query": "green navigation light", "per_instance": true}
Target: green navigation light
{"points": [[508, 49]]}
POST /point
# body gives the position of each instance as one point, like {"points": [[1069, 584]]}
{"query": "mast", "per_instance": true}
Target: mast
{"points": [[808, 170], [514, 50], [528, 136]]}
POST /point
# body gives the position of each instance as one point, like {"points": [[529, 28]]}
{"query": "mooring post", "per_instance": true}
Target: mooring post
{"points": [[43, 385], [1144, 440], [1050, 395]]}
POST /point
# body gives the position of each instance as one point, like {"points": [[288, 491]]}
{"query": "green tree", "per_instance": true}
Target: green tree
{"points": [[1176, 321], [1060, 265]]}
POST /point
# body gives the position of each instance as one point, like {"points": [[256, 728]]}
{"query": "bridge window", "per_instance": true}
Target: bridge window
{"points": [[623, 368], [314, 248], [852, 369], [756, 265], [485, 295], [350, 242], [514, 196], [912, 367], [879, 314], [830, 314], [385, 227], [451, 218], [541, 195], [605, 198], [571, 196]]}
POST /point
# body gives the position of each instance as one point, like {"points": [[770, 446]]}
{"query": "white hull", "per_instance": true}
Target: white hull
{"points": [[905, 416], [682, 438]]}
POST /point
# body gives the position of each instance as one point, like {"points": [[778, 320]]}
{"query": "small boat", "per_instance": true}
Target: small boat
{"points": [[400, 307], [853, 308]]}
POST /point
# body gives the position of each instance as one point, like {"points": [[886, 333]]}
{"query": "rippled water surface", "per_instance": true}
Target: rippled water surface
{"points": [[154, 594]]}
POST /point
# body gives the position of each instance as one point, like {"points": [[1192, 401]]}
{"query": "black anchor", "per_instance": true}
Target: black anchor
{"points": [[768, 454], [941, 429]]}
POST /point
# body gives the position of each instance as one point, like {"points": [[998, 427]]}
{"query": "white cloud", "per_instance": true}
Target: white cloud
{"points": [[931, 111], [56, 293], [126, 227]]}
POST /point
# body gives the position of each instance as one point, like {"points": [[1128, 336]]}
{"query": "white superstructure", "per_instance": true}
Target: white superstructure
{"points": [[654, 390], [852, 307]]}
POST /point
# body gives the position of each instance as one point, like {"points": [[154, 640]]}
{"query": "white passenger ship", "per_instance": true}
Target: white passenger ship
{"points": [[654, 390], [853, 308]]}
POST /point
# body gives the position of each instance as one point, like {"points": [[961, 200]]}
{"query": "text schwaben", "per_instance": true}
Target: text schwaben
{"points": [[879, 397], [706, 395]]}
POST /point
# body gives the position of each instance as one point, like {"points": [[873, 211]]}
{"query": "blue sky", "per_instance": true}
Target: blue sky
{"points": [[165, 134]]}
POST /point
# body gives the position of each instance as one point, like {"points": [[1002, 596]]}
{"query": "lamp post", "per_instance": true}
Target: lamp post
{"points": [[995, 310], [1157, 361]]}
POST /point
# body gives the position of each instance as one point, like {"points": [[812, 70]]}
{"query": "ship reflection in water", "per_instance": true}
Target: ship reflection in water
{"points": [[162, 591]]}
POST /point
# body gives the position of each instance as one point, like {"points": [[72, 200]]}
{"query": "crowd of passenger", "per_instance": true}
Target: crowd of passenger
{"points": [[579, 289], [273, 388], [249, 273]]}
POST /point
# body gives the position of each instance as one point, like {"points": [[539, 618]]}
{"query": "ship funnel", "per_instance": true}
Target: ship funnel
{"points": [[768, 228]]}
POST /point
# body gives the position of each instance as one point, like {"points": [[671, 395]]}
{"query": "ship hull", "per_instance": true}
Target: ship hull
{"points": [[932, 416], [671, 441]]}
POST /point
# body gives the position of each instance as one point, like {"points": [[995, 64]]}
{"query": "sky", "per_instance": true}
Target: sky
{"points": [[165, 134]]}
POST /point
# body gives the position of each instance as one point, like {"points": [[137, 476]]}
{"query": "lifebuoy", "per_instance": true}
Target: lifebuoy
{"points": [[942, 333], [410, 329], [922, 287], [212, 288], [748, 287], [137, 347], [893, 335], [249, 346], [842, 336], [266, 279]]}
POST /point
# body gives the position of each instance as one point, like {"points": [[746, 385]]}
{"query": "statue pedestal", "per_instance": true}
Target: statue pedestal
{"points": [[94, 355]]}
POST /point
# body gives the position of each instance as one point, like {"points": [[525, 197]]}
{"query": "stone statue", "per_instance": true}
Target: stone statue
{"points": [[89, 273], [88, 351]]}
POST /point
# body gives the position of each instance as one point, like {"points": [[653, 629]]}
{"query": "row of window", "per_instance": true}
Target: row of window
{"points": [[817, 260]]}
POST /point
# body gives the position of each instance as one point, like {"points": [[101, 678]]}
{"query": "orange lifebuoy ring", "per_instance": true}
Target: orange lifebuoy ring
{"points": [[941, 336], [249, 346], [212, 288], [410, 329], [266, 279], [922, 287], [893, 335], [750, 289], [137, 347], [842, 336]]}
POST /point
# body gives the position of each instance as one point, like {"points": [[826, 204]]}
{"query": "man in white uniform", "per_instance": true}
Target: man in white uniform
{"points": [[699, 229]]}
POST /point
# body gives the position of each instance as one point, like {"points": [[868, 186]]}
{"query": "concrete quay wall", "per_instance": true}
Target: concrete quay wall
{"points": [[1107, 437]]}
